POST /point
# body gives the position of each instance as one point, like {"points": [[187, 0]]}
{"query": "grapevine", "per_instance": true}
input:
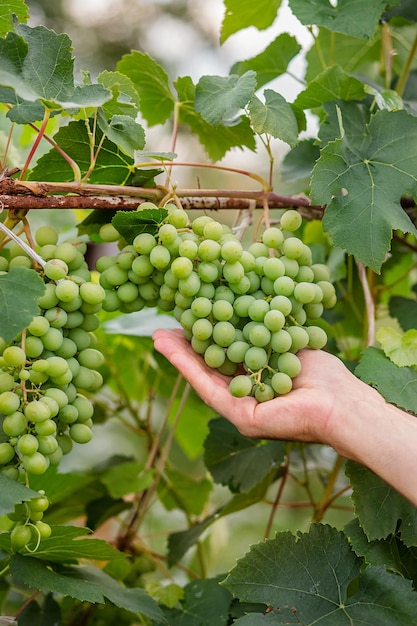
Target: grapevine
{"points": [[246, 312]]}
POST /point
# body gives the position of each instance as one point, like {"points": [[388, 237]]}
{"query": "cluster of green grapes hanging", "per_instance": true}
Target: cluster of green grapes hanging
{"points": [[247, 312], [48, 368]]}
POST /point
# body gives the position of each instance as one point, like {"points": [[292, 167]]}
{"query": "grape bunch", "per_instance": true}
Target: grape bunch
{"points": [[246, 311], [29, 528], [46, 372]]}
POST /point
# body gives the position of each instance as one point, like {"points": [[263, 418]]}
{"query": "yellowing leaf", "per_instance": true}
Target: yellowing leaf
{"points": [[401, 348]]}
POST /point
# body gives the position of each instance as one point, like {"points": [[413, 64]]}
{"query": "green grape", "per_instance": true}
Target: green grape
{"points": [[258, 249], [114, 276], [199, 222], [281, 383], [7, 453], [126, 257], [247, 260], [207, 290], [48, 444], [48, 427], [90, 323], [27, 444], [233, 272], [258, 309], [35, 463], [304, 292], [214, 356], [241, 305], [51, 340], [237, 350], [201, 307], [272, 237], [291, 220], [56, 317], [264, 393], [208, 272], [55, 269], [80, 433], [209, 250], [57, 366], [240, 386], [20, 537], [43, 529], [231, 251], [290, 364], [90, 357], [317, 337], [9, 402], [222, 310], [273, 268], [67, 291], [223, 292], [182, 267], [67, 349], [224, 334], [321, 272], [299, 337], [14, 356], [14, 424], [189, 286], [281, 341], [7, 382], [74, 319], [167, 293], [58, 395], [199, 345], [256, 358], [49, 298], [38, 326], [20, 261], [213, 230], [84, 407], [274, 320], [45, 235], [291, 266], [259, 335], [160, 257], [66, 252], [68, 414], [84, 379], [167, 234], [188, 248], [178, 218], [305, 275], [314, 311], [267, 286], [108, 233], [281, 303]]}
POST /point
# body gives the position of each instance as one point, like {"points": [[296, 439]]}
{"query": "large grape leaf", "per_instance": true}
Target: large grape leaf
{"points": [[347, 16], [7, 10], [400, 347], [381, 510], [241, 14], [362, 179], [237, 461], [84, 583], [205, 603], [310, 575], [224, 138], [272, 62], [397, 384], [152, 84], [20, 289], [274, 117], [111, 167], [331, 84], [38, 66], [219, 97]]}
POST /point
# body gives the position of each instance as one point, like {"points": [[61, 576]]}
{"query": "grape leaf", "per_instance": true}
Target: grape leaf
{"points": [[272, 62], [20, 289], [7, 10], [298, 162], [129, 223], [310, 574], [83, 583], [241, 14], [331, 84], [381, 510], [347, 17], [151, 82], [112, 166], [362, 180], [238, 461], [400, 347], [123, 131], [177, 490], [12, 493], [405, 310], [126, 478], [216, 143], [218, 97], [125, 100], [205, 603], [181, 541], [397, 384], [274, 117]]}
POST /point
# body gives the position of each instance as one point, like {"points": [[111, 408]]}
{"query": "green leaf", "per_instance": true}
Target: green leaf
{"points": [[13, 493], [84, 584], [180, 491], [180, 542], [331, 84], [237, 461], [405, 310], [20, 289], [123, 131], [125, 100], [381, 510], [298, 163], [129, 223], [310, 576], [275, 117], [152, 84], [218, 98], [400, 347], [216, 141], [126, 478], [397, 384], [362, 181], [347, 17], [7, 10], [272, 62], [205, 603], [112, 165], [241, 14]]}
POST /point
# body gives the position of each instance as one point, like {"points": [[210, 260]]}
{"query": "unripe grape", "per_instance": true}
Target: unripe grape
{"points": [[46, 235], [214, 356], [291, 220], [80, 433], [240, 386], [67, 290], [7, 453], [27, 444], [35, 463], [14, 424], [55, 269], [281, 383], [66, 252], [14, 356], [108, 233], [272, 237], [9, 402], [20, 536]]}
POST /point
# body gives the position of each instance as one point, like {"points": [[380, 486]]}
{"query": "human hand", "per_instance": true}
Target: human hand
{"points": [[322, 393]]}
